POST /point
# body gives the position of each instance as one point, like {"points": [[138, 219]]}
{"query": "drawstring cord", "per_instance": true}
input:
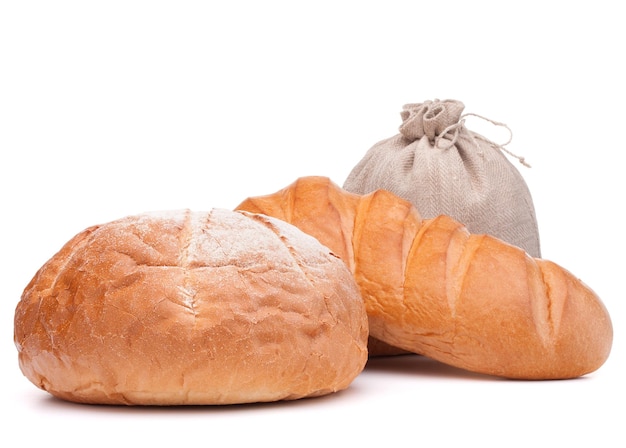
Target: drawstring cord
{"points": [[455, 128]]}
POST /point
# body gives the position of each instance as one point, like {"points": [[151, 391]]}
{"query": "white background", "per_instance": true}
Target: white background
{"points": [[118, 107]]}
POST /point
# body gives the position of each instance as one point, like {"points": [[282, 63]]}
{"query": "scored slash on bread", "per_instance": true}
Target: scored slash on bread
{"points": [[430, 287]]}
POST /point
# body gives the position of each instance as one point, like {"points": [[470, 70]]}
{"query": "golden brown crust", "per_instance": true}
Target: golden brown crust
{"points": [[430, 287], [191, 308]]}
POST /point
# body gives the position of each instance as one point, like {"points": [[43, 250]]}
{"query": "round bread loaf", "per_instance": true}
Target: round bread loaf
{"points": [[195, 308]]}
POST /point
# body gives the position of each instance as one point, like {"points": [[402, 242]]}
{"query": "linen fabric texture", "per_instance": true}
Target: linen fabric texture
{"points": [[443, 168]]}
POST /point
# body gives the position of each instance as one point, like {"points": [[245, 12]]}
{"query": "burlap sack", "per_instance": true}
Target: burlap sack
{"points": [[442, 167]]}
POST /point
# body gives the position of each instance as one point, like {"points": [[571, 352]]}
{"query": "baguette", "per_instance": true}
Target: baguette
{"points": [[430, 287]]}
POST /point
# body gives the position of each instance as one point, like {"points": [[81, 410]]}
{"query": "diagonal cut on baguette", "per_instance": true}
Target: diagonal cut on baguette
{"points": [[432, 288]]}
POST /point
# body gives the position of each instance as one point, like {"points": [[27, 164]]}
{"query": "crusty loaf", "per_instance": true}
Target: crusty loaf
{"points": [[189, 307], [431, 287]]}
